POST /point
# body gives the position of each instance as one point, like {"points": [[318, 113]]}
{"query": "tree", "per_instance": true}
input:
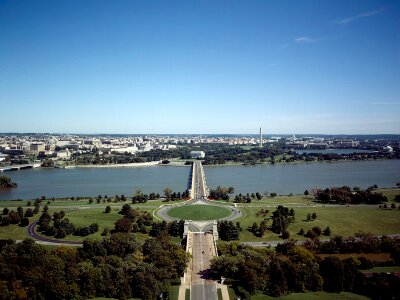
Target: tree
{"points": [[108, 209], [306, 193], [28, 213], [14, 217], [331, 269], [20, 211], [167, 193], [90, 200], [254, 228], [5, 182], [5, 211], [60, 234], [285, 235], [327, 231], [317, 230], [313, 216], [123, 225], [24, 222]]}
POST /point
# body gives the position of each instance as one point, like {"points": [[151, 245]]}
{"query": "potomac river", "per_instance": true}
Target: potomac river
{"points": [[280, 178]]}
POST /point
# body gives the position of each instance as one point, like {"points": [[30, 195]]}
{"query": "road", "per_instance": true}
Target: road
{"points": [[201, 287], [45, 241], [199, 181]]}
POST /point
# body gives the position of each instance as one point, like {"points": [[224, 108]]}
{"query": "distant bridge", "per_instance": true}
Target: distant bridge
{"points": [[18, 167]]}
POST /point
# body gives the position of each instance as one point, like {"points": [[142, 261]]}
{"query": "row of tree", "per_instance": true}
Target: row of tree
{"points": [[18, 217], [346, 195], [247, 198], [221, 193]]}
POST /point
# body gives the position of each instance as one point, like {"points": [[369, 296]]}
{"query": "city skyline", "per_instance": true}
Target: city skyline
{"points": [[210, 68]]}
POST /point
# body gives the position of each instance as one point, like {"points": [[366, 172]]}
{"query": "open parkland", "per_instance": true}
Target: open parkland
{"points": [[344, 220]]}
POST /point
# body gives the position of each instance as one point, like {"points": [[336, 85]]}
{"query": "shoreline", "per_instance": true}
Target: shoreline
{"points": [[175, 164], [128, 165]]}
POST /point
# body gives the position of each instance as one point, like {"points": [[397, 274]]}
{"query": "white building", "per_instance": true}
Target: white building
{"points": [[62, 154], [197, 154], [388, 149]]}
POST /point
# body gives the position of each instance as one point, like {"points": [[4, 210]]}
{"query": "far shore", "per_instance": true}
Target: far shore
{"points": [[182, 164], [129, 165]]}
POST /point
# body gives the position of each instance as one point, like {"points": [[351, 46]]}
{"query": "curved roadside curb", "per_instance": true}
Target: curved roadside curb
{"points": [[32, 234]]}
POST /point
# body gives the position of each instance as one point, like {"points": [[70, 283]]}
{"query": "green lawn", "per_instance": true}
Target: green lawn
{"points": [[342, 220], [174, 292], [199, 212], [14, 232]]}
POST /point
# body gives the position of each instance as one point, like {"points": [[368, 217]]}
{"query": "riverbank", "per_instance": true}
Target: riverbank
{"points": [[144, 164]]}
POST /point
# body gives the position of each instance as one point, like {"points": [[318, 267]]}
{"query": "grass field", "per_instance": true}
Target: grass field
{"points": [[199, 212], [343, 220]]}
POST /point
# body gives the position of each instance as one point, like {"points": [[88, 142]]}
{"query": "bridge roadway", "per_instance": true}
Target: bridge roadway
{"points": [[203, 251], [199, 182]]}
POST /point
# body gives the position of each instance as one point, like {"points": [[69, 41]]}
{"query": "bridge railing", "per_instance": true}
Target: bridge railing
{"points": [[192, 190]]}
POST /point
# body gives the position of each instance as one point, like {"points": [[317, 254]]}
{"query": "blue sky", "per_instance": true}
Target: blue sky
{"points": [[200, 66]]}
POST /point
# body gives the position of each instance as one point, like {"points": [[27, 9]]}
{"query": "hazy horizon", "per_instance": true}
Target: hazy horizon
{"points": [[266, 134], [222, 67]]}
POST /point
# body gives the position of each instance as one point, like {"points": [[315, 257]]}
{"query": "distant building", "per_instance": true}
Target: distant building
{"points": [[62, 154], [37, 147], [388, 149], [3, 157], [197, 154]]}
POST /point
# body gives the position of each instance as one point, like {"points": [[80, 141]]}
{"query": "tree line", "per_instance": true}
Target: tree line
{"points": [[116, 267], [297, 270], [346, 195]]}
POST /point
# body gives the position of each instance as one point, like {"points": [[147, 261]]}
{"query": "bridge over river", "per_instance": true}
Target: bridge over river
{"points": [[201, 244]]}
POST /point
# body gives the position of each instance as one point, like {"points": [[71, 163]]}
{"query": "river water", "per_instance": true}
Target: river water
{"points": [[279, 178]]}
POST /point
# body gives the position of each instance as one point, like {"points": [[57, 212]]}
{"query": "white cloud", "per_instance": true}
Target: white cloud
{"points": [[359, 16], [305, 39]]}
